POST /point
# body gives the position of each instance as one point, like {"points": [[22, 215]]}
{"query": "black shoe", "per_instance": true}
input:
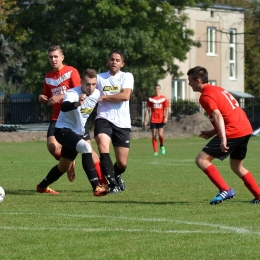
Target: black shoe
{"points": [[120, 183], [114, 189]]}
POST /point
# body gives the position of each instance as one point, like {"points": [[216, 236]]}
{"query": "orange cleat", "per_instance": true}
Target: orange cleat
{"points": [[71, 172], [100, 191], [46, 190]]}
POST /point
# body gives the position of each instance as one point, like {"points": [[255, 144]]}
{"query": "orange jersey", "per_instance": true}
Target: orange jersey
{"points": [[235, 119], [58, 83], [157, 104]]}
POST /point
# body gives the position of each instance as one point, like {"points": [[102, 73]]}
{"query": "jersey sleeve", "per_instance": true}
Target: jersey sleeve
{"points": [[75, 79], [46, 90], [71, 96], [128, 81], [208, 104], [167, 104]]}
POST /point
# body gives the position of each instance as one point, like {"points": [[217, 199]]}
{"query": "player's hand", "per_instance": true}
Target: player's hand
{"points": [[82, 98], [224, 148], [53, 100], [43, 99]]}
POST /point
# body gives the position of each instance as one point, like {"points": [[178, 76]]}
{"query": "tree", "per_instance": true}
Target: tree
{"points": [[150, 33]]}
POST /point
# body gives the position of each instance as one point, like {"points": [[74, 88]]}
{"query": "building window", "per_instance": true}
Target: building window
{"points": [[232, 59], [213, 82], [211, 41], [178, 89], [183, 32]]}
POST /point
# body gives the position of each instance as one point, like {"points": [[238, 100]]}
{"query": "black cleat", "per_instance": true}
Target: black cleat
{"points": [[120, 183], [114, 189]]}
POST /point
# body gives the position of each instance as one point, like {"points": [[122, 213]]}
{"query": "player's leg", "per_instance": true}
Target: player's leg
{"points": [[121, 143], [54, 148], [161, 139], [103, 132], [154, 138], [236, 163]]}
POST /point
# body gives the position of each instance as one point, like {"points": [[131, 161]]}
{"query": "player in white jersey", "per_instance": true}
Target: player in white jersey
{"points": [[113, 121], [71, 133]]}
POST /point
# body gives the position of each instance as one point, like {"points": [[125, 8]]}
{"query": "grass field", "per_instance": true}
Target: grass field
{"points": [[163, 214]]}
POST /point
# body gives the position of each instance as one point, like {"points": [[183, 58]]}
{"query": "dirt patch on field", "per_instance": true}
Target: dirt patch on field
{"points": [[184, 126]]}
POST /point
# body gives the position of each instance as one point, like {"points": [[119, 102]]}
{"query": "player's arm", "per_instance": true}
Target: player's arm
{"points": [[165, 115], [220, 124], [124, 95], [55, 99], [146, 116]]}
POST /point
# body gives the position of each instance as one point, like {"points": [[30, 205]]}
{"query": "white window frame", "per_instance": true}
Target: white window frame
{"points": [[232, 48], [211, 41], [176, 84]]}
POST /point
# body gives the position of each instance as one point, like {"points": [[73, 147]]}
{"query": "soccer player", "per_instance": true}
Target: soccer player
{"points": [[71, 132], [157, 107], [231, 133], [56, 83], [113, 119]]}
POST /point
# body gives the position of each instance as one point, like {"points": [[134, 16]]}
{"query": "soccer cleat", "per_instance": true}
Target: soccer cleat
{"points": [[46, 190], [155, 154], [105, 186], [163, 151], [114, 189], [223, 195], [255, 201], [120, 183], [100, 191], [71, 172]]}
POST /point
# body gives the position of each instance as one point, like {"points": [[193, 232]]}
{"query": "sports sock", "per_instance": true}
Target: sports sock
{"points": [[100, 175], [215, 176], [251, 184], [53, 175], [118, 171], [161, 138], [107, 168], [154, 141], [89, 169]]}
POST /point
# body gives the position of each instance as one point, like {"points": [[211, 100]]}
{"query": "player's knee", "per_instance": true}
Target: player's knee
{"points": [[83, 147]]}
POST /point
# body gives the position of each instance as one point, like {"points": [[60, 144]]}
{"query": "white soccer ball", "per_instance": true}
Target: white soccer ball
{"points": [[2, 194]]}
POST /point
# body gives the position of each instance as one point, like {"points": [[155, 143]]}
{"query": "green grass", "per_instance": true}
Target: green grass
{"points": [[163, 214]]}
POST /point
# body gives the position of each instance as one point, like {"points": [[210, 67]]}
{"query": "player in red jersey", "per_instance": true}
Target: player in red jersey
{"points": [[56, 83], [231, 133], [157, 107]]}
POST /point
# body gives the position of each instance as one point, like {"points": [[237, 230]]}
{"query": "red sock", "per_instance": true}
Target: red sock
{"points": [[161, 138], [100, 175], [251, 184], [154, 141], [215, 176]]}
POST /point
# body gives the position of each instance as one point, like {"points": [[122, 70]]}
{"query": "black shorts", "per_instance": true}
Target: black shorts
{"points": [[156, 125], [119, 136], [69, 140], [237, 148], [51, 128]]}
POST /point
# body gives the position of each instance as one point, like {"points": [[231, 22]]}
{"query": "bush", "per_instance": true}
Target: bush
{"points": [[184, 107]]}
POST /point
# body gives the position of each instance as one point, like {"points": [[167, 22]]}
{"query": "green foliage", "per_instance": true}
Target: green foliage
{"points": [[9, 88], [183, 107], [148, 32]]}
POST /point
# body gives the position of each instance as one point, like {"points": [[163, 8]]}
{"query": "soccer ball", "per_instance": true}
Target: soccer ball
{"points": [[2, 194]]}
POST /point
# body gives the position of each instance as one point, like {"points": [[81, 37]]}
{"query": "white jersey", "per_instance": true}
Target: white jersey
{"points": [[117, 113], [77, 118]]}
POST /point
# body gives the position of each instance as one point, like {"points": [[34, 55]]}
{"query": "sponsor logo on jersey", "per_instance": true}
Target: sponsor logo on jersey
{"points": [[86, 111], [59, 91], [111, 89]]}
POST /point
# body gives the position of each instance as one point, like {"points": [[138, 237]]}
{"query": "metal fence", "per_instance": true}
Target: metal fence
{"points": [[27, 110]]}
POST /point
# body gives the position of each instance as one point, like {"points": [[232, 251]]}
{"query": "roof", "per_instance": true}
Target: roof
{"points": [[239, 94]]}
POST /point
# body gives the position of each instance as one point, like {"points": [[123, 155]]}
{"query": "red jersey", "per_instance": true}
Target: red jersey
{"points": [[57, 83], [157, 105], [235, 119]]}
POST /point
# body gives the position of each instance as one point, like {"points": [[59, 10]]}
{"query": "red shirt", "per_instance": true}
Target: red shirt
{"points": [[57, 83], [235, 119], [157, 105]]}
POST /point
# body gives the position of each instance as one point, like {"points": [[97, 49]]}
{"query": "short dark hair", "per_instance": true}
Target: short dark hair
{"points": [[157, 85], [90, 73], [199, 73], [118, 52], [55, 48]]}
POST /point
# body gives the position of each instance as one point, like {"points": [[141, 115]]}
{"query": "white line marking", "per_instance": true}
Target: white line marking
{"points": [[224, 229]]}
